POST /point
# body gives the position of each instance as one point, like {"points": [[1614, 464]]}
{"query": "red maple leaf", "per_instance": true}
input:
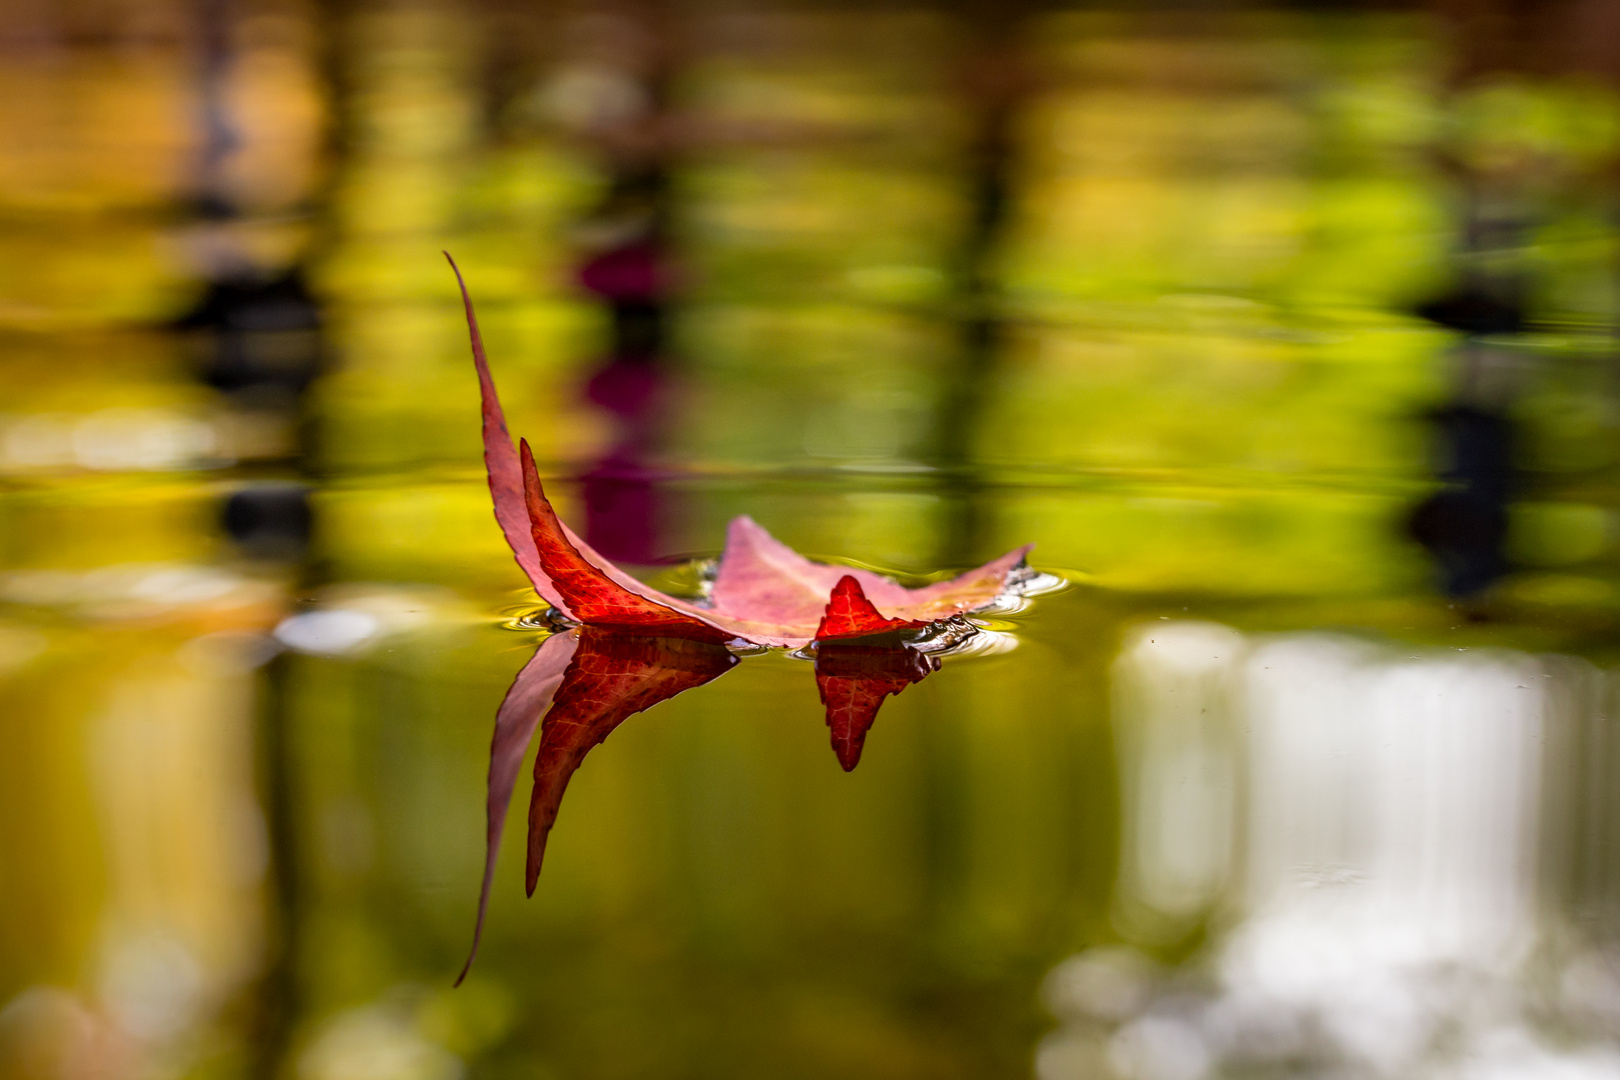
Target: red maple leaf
{"points": [[764, 592]]}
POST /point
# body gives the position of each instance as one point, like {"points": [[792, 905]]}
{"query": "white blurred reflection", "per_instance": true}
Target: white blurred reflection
{"points": [[111, 440], [132, 591], [376, 1042], [351, 618], [1367, 833], [408, 1032], [1174, 681]]}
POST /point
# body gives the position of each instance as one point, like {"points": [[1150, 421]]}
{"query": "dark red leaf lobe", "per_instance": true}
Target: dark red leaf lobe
{"points": [[594, 598], [850, 614]]}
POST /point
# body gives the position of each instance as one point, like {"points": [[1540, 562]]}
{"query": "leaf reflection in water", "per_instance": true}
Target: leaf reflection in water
{"points": [[612, 677], [853, 677], [586, 682], [528, 698]]}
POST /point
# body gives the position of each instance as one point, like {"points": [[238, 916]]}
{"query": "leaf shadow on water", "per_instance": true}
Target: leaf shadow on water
{"points": [[582, 683]]}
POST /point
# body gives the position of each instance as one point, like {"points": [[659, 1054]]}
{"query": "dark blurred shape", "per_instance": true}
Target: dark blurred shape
{"points": [[628, 270], [626, 262], [622, 500], [1473, 311], [853, 677], [256, 328], [625, 238], [1464, 525], [263, 334], [638, 330], [270, 521], [264, 322], [994, 84]]}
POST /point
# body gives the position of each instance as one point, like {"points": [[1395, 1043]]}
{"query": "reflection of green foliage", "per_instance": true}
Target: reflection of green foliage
{"points": [[1207, 246], [1239, 397], [1576, 123], [779, 384], [802, 225]]}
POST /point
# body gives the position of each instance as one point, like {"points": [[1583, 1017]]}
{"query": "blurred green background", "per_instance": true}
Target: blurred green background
{"points": [[1139, 285]]}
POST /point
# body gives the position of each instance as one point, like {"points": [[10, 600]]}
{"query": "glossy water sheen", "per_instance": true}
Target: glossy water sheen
{"points": [[1248, 796]]}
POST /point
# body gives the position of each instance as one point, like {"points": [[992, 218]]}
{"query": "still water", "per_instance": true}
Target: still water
{"points": [[1288, 346]]}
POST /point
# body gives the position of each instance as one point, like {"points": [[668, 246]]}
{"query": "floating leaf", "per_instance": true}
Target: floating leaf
{"points": [[762, 576], [765, 593]]}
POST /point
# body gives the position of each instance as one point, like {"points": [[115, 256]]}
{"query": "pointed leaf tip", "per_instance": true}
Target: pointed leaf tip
{"points": [[529, 696], [501, 460], [850, 614], [853, 679]]}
